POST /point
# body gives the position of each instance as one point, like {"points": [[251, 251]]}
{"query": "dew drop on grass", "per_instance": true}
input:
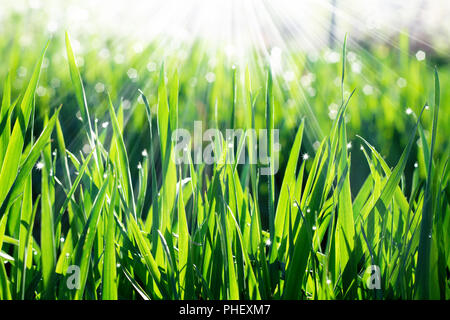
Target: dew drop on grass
{"points": [[356, 67], [332, 57], [311, 91], [368, 90], [126, 104], [307, 79], [132, 73], [316, 145], [210, 77], [420, 55], [401, 82], [151, 66], [21, 72], [41, 91], [99, 87], [419, 143], [86, 148]]}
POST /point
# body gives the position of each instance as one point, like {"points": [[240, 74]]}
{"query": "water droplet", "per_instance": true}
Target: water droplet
{"points": [[420, 55], [99, 87], [210, 77], [40, 165], [401, 82], [132, 73], [368, 90]]}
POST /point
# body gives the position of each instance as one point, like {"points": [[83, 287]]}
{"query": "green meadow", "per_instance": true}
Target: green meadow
{"points": [[93, 207]]}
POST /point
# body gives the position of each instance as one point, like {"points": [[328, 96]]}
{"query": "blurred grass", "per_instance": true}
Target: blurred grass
{"points": [[388, 82]]}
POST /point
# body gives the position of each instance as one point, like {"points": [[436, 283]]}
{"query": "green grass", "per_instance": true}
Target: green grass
{"points": [[157, 230]]}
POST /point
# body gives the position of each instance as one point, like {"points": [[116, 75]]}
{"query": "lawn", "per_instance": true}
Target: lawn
{"points": [[353, 205]]}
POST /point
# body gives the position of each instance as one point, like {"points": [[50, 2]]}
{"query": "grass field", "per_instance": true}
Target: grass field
{"points": [[92, 207]]}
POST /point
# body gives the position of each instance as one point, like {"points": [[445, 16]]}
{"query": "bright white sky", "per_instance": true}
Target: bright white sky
{"points": [[300, 23]]}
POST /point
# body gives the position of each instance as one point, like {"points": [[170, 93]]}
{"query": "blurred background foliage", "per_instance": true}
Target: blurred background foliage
{"points": [[393, 80]]}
